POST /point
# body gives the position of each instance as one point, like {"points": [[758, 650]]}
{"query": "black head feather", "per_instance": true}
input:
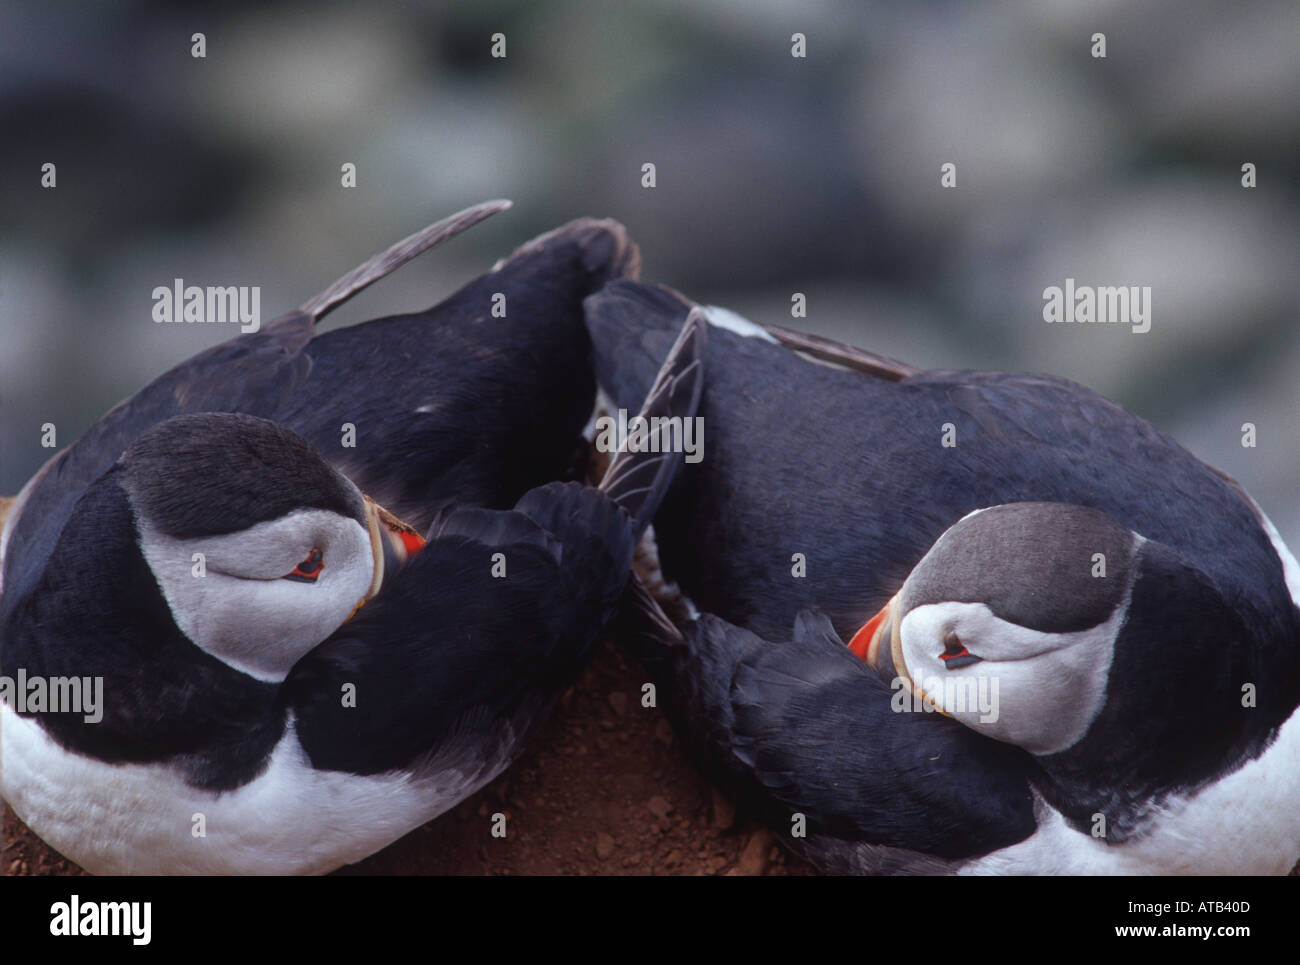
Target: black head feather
{"points": [[213, 473]]}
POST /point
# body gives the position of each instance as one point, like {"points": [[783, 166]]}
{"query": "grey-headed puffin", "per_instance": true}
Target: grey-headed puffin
{"points": [[293, 675], [954, 621]]}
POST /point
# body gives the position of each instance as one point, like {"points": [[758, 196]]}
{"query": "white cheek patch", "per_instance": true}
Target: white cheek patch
{"points": [[1040, 691], [267, 550], [240, 609], [729, 320]]}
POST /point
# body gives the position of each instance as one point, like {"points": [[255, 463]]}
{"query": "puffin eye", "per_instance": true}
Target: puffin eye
{"points": [[955, 653], [308, 569]]}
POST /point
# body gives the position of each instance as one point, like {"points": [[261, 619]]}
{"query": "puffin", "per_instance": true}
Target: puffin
{"points": [[959, 622], [291, 674]]}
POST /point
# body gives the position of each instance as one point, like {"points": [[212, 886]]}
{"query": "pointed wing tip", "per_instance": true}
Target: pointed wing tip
{"points": [[389, 260]]}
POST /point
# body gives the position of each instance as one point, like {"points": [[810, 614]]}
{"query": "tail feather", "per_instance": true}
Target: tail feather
{"points": [[638, 480], [395, 256]]}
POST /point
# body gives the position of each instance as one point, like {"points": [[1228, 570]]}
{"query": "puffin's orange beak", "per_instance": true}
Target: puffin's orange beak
{"points": [[400, 537], [882, 631], [866, 642], [403, 537]]}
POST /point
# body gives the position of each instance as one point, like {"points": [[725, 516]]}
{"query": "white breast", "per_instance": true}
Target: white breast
{"points": [[1245, 823], [139, 819]]}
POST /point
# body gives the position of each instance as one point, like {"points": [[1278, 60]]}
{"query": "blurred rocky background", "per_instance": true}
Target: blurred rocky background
{"points": [[775, 175]]}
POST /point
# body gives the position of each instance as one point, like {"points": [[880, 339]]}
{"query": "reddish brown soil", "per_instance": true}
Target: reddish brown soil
{"points": [[603, 789]]}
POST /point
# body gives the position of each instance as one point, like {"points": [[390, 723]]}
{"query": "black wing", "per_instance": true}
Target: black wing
{"points": [[805, 727]]}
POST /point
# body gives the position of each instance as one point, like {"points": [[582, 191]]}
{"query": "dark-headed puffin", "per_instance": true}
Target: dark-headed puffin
{"points": [[292, 676], [1071, 647]]}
